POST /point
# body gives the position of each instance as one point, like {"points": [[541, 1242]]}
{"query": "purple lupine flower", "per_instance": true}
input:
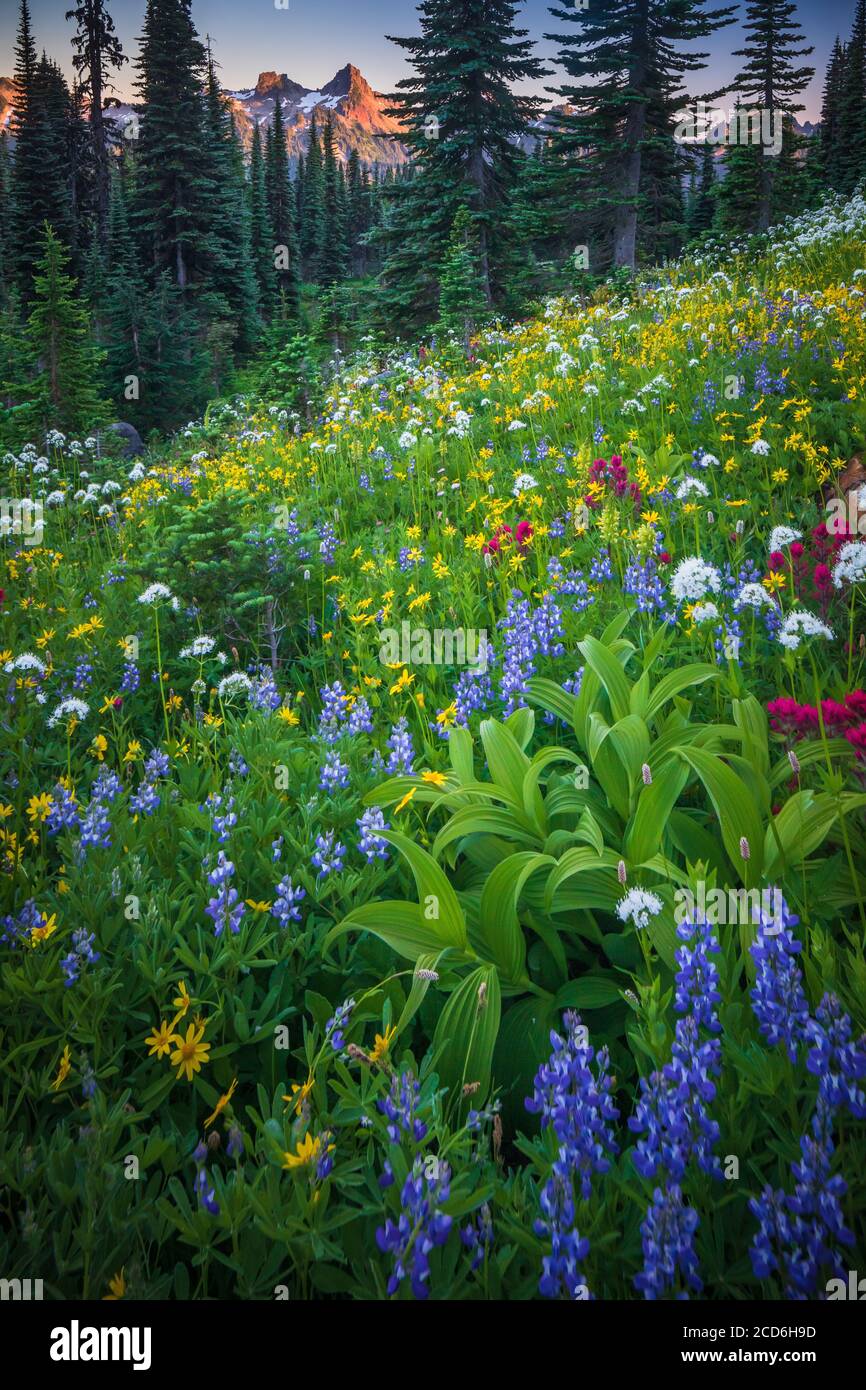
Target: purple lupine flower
{"points": [[328, 856], [222, 815], [477, 1235], [837, 1061], [667, 1234], [360, 719], [285, 907], [95, 831], [371, 845], [264, 694], [576, 1104], [64, 812], [399, 1107], [225, 908], [421, 1227], [560, 1270], [778, 998], [145, 801], [697, 978], [156, 765], [334, 773], [206, 1193], [402, 754], [339, 1020], [333, 712], [82, 954]]}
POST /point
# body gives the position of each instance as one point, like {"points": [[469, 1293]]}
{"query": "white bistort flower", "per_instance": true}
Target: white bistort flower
{"points": [[704, 612], [199, 646], [800, 624], [693, 579], [236, 684], [850, 566], [524, 482], [155, 593], [68, 709], [783, 535], [27, 661], [761, 447], [753, 596], [638, 906], [689, 487]]}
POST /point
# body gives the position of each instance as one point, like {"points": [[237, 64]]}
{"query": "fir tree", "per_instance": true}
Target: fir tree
{"points": [[831, 159], [174, 193], [629, 67], [852, 106], [262, 239], [65, 389], [97, 50], [313, 212], [770, 80], [739, 190], [702, 204], [334, 249], [462, 121], [462, 300], [285, 250]]}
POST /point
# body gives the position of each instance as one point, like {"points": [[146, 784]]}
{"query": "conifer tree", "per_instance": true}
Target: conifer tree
{"points": [[262, 240], [702, 204], [285, 247], [313, 212], [770, 81], [462, 300], [97, 50], [65, 389], [628, 67], [174, 193], [231, 278], [334, 249], [852, 112], [831, 159], [462, 121]]}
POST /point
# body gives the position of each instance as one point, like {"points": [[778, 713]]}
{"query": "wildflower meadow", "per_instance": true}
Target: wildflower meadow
{"points": [[432, 839]]}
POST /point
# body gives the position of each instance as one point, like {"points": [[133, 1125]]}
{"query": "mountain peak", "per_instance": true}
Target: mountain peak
{"points": [[272, 84], [347, 80]]}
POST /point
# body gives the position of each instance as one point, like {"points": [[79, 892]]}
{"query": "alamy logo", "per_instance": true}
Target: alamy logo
{"points": [[708, 126], [729, 907], [21, 516], [854, 1288], [439, 646], [20, 1289], [76, 1343]]}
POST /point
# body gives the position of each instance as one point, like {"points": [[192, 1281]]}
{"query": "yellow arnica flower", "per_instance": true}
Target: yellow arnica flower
{"points": [[117, 1285], [437, 778], [289, 716], [182, 1002], [306, 1151], [406, 799], [63, 1070], [49, 926], [299, 1094], [160, 1041], [221, 1104], [382, 1045], [39, 807], [190, 1052]]}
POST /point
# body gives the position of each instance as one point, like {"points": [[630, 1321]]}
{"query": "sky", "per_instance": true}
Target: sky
{"points": [[311, 39]]}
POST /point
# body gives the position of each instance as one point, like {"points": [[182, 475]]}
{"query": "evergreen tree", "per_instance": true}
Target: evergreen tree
{"points": [[831, 160], [628, 67], [285, 246], [770, 80], [462, 121], [313, 212], [462, 299], [334, 250], [852, 106], [702, 204], [230, 274], [174, 193], [65, 389], [97, 50], [739, 190], [262, 238], [6, 262]]}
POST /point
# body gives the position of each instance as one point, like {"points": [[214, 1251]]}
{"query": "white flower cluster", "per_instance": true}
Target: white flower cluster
{"points": [[798, 625], [693, 579]]}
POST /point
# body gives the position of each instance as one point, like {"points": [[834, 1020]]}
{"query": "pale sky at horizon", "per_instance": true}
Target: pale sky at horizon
{"points": [[312, 39]]}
